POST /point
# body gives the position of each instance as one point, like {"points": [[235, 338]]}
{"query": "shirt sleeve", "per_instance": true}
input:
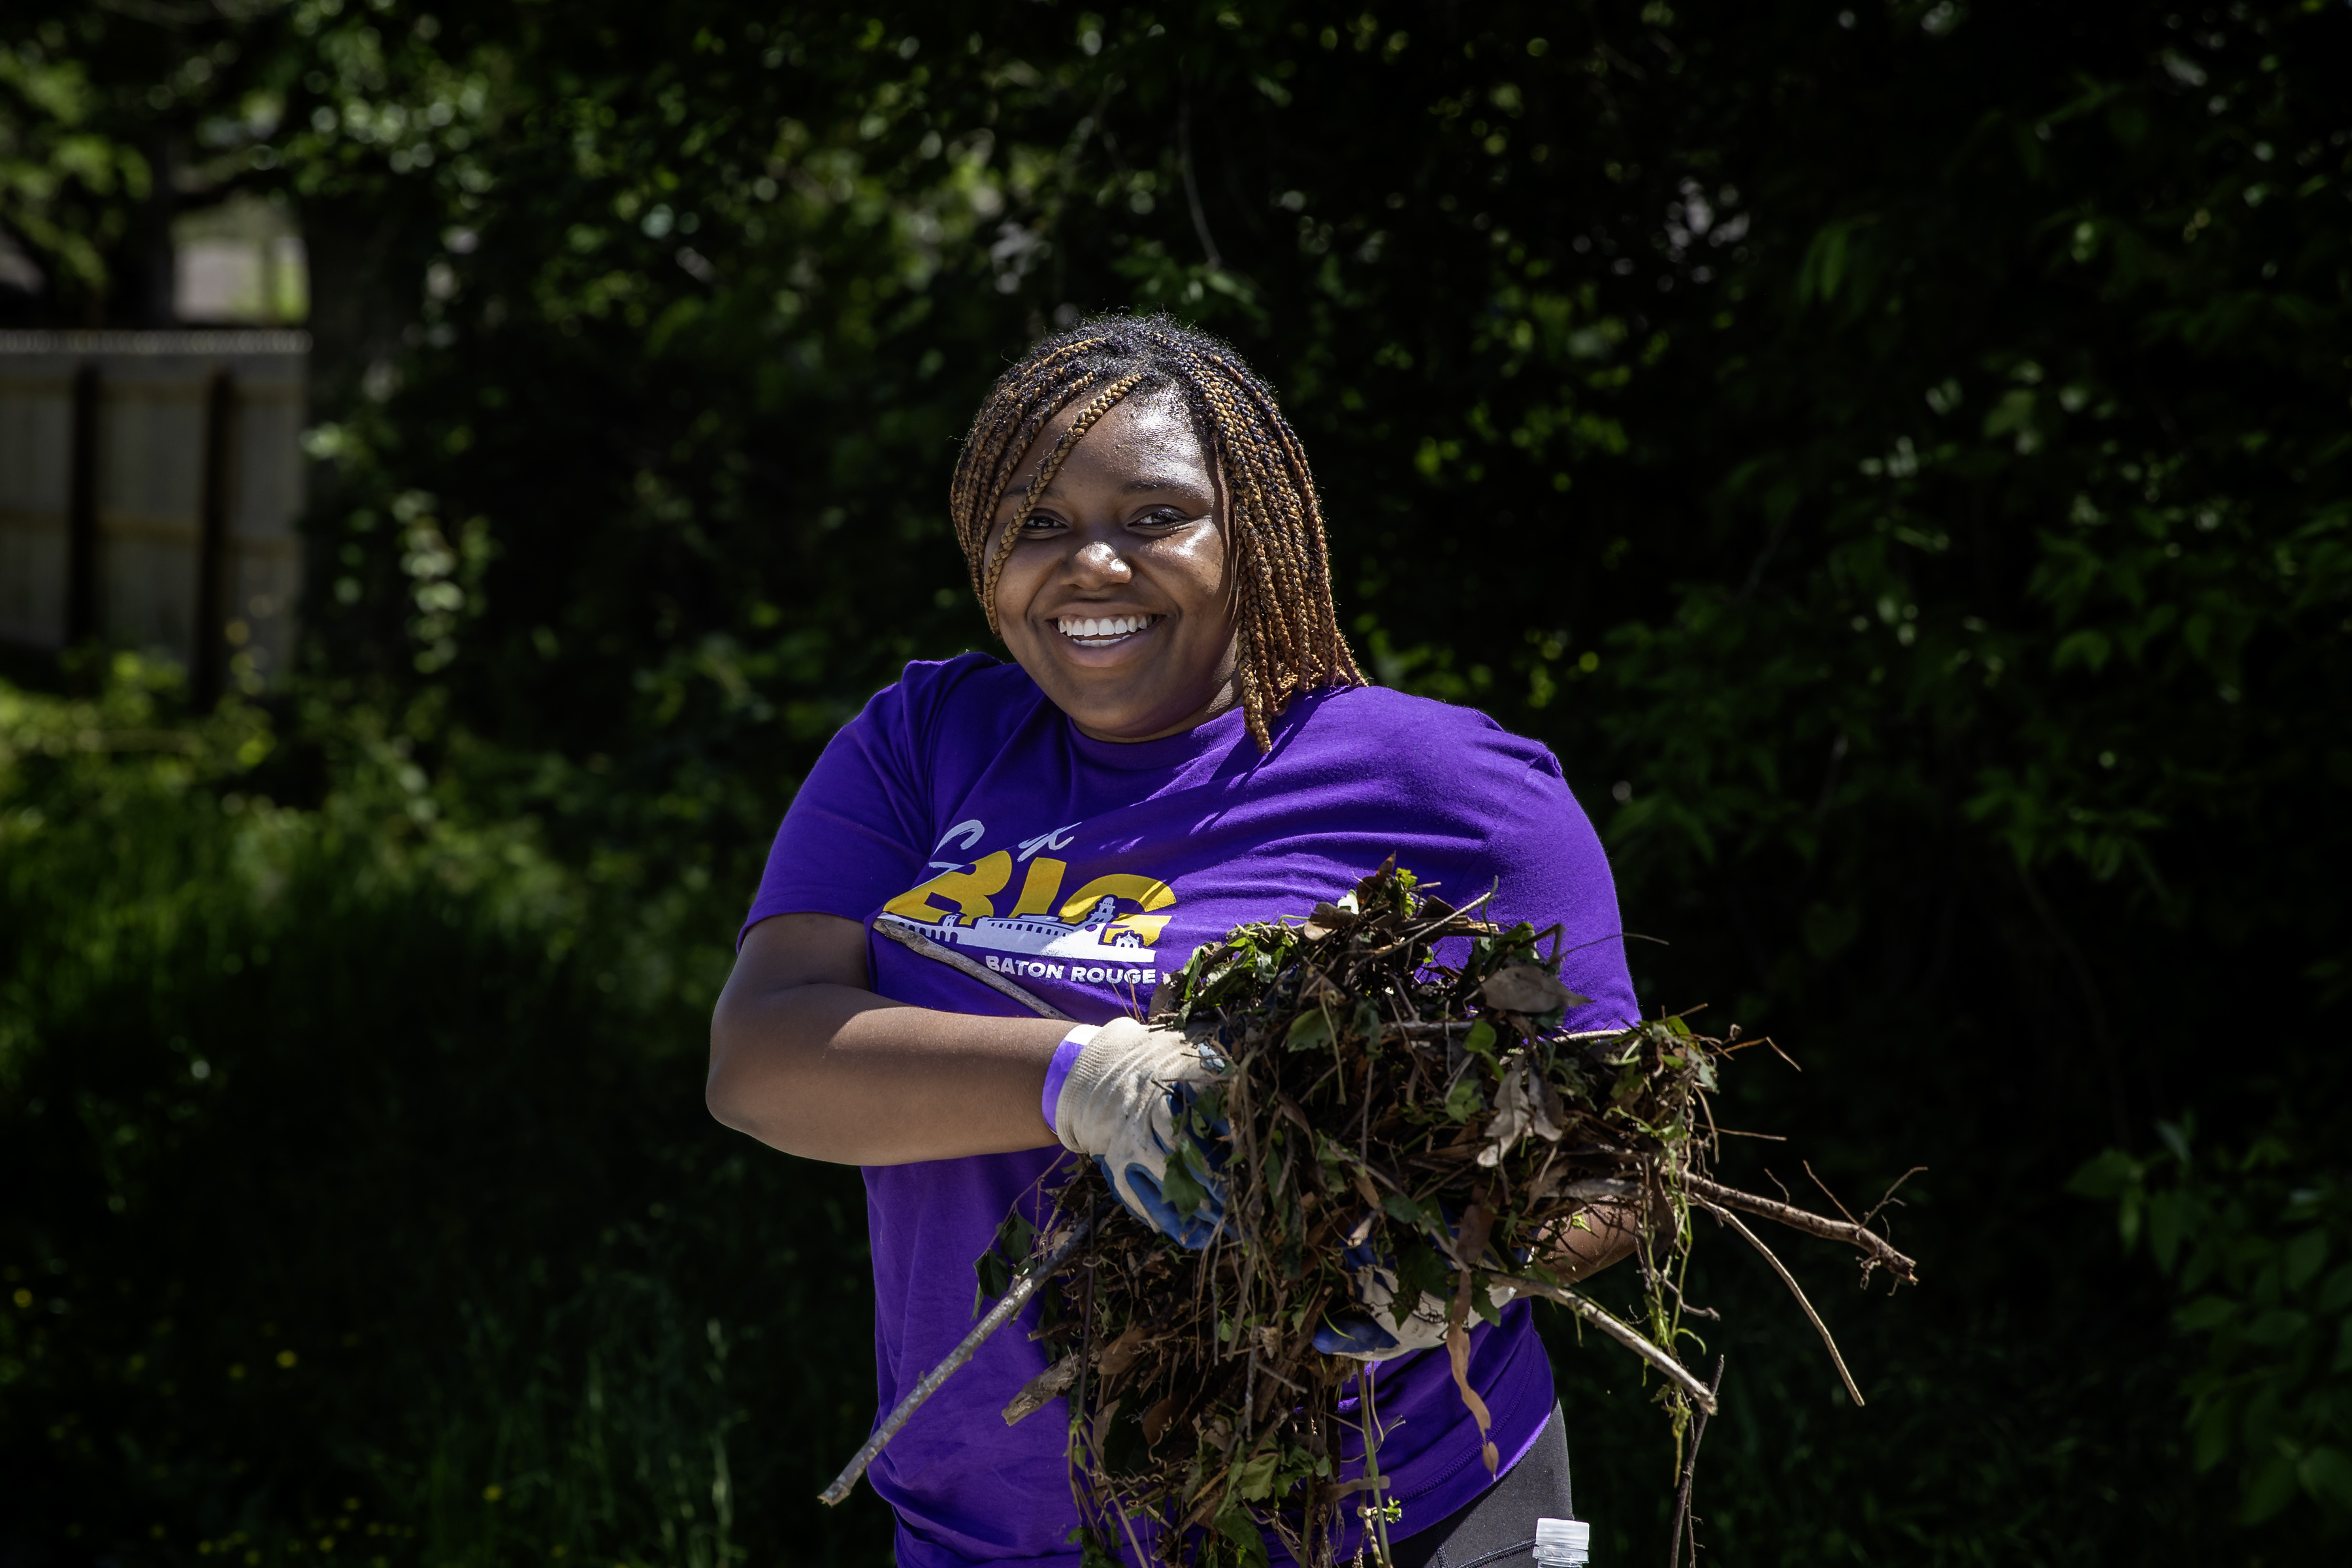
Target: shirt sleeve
{"points": [[1546, 864], [858, 831], [1564, 877]]}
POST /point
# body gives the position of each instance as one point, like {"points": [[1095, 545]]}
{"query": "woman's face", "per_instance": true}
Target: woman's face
{"points": [[1116, 598]]}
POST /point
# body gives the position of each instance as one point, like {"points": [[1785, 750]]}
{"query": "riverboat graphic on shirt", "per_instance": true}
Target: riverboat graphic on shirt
{"points": [[1102, 931]]}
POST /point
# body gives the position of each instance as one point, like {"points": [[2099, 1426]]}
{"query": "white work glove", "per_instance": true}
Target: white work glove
{"points": [[1119, 1104], [1365, 1329]]}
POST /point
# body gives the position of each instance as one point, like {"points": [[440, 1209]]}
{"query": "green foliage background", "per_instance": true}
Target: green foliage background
{"points": [[1897, 453]]}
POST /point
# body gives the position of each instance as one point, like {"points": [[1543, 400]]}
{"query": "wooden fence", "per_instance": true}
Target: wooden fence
{"points": [[150, 483]]}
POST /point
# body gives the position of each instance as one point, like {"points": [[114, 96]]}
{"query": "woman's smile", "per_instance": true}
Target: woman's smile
{"points": [[1104, 631]]}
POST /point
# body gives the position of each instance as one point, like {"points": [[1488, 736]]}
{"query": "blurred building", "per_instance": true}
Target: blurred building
{"points": [[241, 262], [150, 483]]}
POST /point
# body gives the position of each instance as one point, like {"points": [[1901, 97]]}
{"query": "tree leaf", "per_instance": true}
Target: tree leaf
{"points": [[2325, 1473], [2304, 1258], [1527, 988]]}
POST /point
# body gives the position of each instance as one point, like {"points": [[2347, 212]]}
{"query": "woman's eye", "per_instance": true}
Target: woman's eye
{"points": [[1038, 522]]}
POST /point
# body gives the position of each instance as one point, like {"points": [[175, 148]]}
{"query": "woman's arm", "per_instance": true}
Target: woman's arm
{"points": [[1574, 1253], [807, 1059]]}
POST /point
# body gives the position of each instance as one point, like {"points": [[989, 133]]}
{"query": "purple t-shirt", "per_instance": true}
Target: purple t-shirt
{"points": [[964, 802]]}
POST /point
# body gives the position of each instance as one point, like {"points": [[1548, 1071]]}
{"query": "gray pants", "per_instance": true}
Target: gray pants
{"points": [[1496, 1529]]}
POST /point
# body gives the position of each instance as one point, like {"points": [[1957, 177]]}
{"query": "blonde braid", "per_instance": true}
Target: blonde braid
{"points": [[1303, 565], [999, 455], [997, 446], [1013, 446]]}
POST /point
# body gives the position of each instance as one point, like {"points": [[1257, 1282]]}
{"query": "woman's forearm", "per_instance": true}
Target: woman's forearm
{"points": [[831, 1072], [1573, 1252], [803, 1056]]}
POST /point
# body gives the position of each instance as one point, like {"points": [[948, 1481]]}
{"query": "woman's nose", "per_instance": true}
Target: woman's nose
{"points": [[1097, 561]]}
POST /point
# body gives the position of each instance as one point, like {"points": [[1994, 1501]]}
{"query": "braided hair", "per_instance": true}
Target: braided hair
{"points": [[1288, 629]]}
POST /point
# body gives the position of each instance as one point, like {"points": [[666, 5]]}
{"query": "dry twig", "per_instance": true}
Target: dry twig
{"points": [[1877, 1250], [1828, 1342], [915, 941], [1617, 1329], [1683, 1524], [998, 1316]]}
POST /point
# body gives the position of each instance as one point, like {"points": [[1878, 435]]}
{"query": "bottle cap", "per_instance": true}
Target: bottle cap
{"points": [[1563, 1542]]}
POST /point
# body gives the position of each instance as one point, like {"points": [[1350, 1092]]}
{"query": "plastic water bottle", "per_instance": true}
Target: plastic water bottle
{"points": [[1563, 1542]]}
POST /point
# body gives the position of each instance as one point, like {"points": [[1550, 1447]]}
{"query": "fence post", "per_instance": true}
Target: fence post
{"points": [[211, 635], [81, 510]]}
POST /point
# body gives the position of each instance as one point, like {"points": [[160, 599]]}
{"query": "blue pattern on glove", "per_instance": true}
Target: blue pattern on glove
{"points": [[1353, 1333], [1194, 1231], [1353, 1330], [1191, 1231]]}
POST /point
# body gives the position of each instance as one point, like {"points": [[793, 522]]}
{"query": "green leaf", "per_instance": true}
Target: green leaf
{"points": [[1823, 268], [1401, 1207], [1236, 1526], [1310, 1031], [2325, 1473], [2205, 1314], [1253, 1477], [2304, 1256], [2272, 1488], [2012, 412], [2278, 1326], [2212, 1429], [2164, 1212], [1463, 1100], [2337, 1294], [1185, 1194], [1006, 1254], [1828, 931], [2175, 1136], [1421, 1271], [2086, 648], [2108, 1175]]}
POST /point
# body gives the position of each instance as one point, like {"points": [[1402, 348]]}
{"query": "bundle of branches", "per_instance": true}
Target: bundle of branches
{"points": [[1377, 1117]]}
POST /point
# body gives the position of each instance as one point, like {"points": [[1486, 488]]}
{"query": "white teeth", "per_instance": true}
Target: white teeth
{"points": [[1090, 627]]}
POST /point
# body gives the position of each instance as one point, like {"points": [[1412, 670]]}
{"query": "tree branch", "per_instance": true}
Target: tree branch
{"points": [[1879, 1252], [1625, 1334], [998, 1316], [1727, 1217], [915, 941]]}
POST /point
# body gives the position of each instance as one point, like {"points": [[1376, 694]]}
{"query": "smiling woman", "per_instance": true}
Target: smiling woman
{"points": [[1113, 587], [1182, 743], [1137, 471]]}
